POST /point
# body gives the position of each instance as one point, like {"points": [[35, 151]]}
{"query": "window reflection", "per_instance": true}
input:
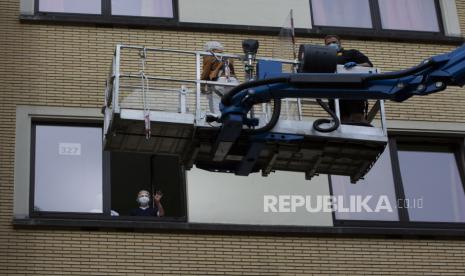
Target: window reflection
{"points": [[68, 169], [411, 15], [71, 6], [377, 183], [434, 177], [342, 13]]}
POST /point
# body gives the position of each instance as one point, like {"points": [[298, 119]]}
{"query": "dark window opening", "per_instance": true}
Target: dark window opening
{"points": [[131, 172]]}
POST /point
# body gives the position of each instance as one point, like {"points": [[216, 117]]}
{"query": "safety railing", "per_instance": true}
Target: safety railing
{"points": [[169, 80]]}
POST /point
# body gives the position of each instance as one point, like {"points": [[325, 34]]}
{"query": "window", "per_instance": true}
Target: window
{"points": [[347, 13], [150, 8], [68, 169], [422, 177], [411, 15], [415, 20], [71, 6], [230, 199], [73, 175], [431, 174], [378, 185], [132, 172], [403, 15], [65, 173], [102, 9]]}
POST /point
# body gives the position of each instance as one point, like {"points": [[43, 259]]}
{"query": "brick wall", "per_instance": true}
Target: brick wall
{"points": [[55, 65]]}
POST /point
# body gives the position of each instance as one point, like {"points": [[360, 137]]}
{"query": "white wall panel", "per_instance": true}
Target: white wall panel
{"points": [[226, 198], [245, 12], [26, 7], [450, 17]]}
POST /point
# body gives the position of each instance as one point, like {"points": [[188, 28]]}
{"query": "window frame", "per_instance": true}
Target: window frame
{"points": [[378, 31], [174, 23], [105, 16], [106, 183], [21, 219], [32, 212], [455, 142]]}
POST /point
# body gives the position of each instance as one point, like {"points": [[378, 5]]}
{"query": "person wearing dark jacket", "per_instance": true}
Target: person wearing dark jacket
{"points": [[144, 209], [352, 111]]}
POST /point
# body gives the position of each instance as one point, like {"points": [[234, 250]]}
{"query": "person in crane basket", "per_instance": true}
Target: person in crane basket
{"points": [[219, 69], [352, 111]]}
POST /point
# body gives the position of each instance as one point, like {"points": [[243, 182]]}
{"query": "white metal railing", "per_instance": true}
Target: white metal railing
{"points": [[114, 86]]}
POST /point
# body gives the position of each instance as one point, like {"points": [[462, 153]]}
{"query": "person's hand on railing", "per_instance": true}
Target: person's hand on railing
{"points": [[204, 88]]}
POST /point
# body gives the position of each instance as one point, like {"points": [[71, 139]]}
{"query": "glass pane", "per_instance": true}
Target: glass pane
{"points": [[68, 169], [151, 8], [378, 183], [434, 178], [342, 13], [227, 198], [71, 6], [411, 15]]}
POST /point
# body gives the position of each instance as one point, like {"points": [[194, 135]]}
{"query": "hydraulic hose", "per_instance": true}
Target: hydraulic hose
{"points": [[317, 123], [402, 73], [226, 99], [273, 120]]}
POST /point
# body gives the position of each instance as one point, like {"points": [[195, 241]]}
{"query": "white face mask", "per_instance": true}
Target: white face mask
{"points": [[143, 200], [335, 46]]}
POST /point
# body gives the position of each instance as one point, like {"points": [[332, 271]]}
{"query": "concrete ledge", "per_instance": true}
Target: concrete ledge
{"points": [[157, 225]]}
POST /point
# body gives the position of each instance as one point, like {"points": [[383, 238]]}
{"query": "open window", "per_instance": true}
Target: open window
{"points": [[132, 172], [72, 176]]}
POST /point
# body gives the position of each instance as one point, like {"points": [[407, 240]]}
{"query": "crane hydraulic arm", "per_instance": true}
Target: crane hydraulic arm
{"points": [[432, 75]]}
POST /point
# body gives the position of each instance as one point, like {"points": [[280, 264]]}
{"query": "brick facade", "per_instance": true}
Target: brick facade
{"points": [[66, 65]]}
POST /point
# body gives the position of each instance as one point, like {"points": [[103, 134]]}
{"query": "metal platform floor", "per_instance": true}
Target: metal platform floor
{"points": [[350, 151]]}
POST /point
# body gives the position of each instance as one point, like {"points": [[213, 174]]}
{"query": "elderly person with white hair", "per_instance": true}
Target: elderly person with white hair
{"points": [[217, 69]]}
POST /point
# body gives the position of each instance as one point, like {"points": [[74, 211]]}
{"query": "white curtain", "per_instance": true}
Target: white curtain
{"points": [[342, 13], [413, 15], [433, 177], [377, 183], [71, 6]]}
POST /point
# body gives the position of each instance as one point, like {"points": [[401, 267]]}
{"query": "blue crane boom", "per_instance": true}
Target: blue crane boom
{"points": [[431, 76]]}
